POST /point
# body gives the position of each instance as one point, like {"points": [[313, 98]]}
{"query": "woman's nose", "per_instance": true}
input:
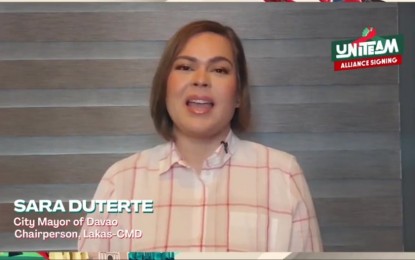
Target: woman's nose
{"points": [[201, 78]]}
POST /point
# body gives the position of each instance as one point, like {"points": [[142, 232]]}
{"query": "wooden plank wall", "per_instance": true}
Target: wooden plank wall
{"points": [[74, 94]]}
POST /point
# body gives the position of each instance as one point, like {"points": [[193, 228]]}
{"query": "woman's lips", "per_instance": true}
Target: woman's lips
{"points": [[199, 105]]}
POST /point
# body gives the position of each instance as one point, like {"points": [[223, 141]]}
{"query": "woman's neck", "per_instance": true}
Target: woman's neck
{"points": [[194, 150]]}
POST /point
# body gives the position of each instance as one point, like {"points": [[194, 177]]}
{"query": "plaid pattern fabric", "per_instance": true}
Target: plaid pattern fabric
{"points": [[251, 198]]}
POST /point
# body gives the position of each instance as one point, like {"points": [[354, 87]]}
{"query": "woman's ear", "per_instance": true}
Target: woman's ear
{"points": [[237, 101]]}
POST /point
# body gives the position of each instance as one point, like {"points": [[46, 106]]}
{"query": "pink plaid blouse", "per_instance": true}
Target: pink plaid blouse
{"points": [[250, 198]]}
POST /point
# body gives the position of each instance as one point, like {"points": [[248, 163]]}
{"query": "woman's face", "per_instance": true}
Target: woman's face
{"points": [[202, 87]]}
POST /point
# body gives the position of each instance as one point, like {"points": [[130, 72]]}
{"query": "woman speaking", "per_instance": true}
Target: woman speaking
{"points": [[211, 190]]}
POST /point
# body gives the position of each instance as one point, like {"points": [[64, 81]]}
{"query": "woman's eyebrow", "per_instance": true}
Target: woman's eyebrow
{"points": [[211, 60], [220, 58]]}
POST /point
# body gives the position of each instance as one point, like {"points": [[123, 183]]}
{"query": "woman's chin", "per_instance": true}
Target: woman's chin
{"points": [[201, 131]]}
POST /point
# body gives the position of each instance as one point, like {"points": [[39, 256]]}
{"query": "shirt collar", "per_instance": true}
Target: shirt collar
{"points": [[170, 156]]}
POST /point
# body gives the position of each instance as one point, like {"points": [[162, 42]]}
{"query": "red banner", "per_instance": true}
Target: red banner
{"points": [[368, 63]]}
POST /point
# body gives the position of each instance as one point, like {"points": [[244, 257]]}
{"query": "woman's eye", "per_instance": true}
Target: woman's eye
{"points": [[222, 70], [183, 67]]}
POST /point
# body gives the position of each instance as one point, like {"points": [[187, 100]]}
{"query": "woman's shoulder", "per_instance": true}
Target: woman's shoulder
{"points": [[265, 155], [146, 159], [248, 147]]}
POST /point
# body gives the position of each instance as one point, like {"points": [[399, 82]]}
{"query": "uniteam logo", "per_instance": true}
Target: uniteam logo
{"points": [[367, 51]]}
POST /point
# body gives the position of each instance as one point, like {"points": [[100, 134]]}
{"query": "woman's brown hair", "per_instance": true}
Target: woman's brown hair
{"points": [[161, 118]]}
